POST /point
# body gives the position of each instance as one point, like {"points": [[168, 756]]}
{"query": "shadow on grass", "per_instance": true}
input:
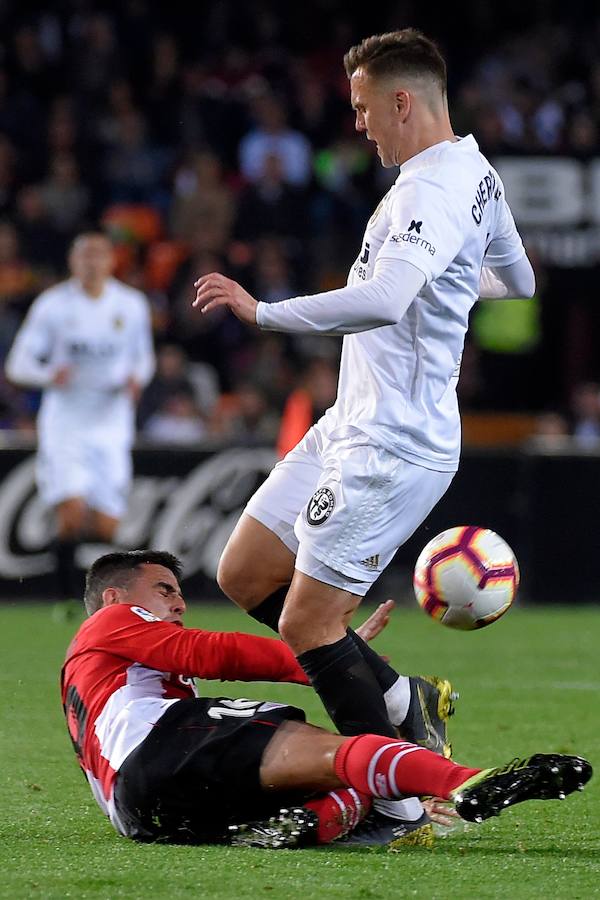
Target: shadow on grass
{"points": [[464, 851]]}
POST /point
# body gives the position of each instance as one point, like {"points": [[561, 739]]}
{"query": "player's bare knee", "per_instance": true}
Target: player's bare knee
{"points": [[227, 581], [299, 631], [237, 584]]}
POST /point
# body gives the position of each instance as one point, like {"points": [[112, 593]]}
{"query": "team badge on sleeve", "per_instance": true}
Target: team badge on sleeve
{"points": [[320, 506], [144, 614]]}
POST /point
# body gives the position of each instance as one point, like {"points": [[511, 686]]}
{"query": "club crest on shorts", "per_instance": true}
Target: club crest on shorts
{"points": [[320, 506]]}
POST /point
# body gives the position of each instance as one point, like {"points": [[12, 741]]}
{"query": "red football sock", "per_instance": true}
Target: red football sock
{"points": [[339, 812], [389, 769]]}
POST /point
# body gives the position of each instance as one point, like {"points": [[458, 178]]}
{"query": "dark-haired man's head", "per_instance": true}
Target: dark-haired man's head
{"points": [[146, 578], [398, 90], [92, 260], [398, 54]]}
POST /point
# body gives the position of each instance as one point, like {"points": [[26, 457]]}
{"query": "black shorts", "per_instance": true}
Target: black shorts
{"points": [[197, 772]]}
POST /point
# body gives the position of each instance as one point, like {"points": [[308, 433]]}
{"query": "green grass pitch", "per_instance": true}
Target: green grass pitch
{"points": [[530, 682]]}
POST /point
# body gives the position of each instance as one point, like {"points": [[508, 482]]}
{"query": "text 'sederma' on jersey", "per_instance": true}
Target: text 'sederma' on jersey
{"points": [[446, 214]]}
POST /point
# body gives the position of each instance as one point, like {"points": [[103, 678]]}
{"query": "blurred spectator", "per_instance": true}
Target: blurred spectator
{"points": [[583, 135], [551, 432], [209, 114], [163, 90], [8, 178], [270, 205], [20, 112], [63, 135], [585, 411], [272, 136], [201, 198], [97, 57], [173, 376], [319, 110], [213, 339], [507, 335], [245, 417], [177, 421], [205, 381], [269, 363], [305, 406], [39, 240], [64, 195], [118, 103], [31, 69], [19, 280], [134, 167], [271, 272]]}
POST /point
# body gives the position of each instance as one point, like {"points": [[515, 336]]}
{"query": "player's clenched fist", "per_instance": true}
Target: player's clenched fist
{"points": [[216, 290]]}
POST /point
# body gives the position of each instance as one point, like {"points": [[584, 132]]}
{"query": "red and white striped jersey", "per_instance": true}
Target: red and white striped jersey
{"points": [[125, 667]]}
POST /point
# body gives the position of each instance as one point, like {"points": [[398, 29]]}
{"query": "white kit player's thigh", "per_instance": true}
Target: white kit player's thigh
{"points": [[112, 473], [279, 499], [61, 471], [366, 505]]}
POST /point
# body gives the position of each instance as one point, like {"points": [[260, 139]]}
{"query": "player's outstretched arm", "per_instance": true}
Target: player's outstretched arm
{"points": [[380, 301]]}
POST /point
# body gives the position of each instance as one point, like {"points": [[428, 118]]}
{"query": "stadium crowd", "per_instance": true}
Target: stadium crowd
{"points": [[226, 142]]}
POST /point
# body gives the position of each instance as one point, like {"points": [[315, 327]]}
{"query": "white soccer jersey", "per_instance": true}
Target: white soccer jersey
{"points": [[103, 341], [447, 216]]}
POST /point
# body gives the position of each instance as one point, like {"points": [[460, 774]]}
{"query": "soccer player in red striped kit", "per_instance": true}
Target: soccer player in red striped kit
{"points": [[166, 764]]}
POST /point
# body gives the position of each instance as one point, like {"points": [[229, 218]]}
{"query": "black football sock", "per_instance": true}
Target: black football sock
{"points": [[268, 613], [66, 576], [268, 610], [348, 688], [386, 676]]}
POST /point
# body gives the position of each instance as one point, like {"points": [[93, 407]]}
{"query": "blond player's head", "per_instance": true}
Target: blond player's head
{"points": [[398, 90], [91, 258]]}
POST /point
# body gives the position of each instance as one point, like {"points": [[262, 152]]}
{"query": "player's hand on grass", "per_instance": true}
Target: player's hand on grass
{"points": [[217, 290], [440, 811], [376, 622]]}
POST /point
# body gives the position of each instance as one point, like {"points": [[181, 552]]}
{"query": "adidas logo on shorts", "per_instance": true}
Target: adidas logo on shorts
{"points": [[371, 562]]}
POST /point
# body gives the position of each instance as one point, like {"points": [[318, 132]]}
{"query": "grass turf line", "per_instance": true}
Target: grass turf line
{"points": [[530, 682]]}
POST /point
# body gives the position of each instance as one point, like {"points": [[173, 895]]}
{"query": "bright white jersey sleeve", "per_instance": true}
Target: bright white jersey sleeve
{"points": [[382, 300], [397, 382], [104, 342]]}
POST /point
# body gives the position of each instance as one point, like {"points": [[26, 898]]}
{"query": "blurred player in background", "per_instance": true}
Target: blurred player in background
{"points": [[87, 343], [330, 517], [165, 763]]}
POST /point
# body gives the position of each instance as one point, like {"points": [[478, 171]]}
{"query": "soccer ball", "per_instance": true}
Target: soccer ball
{"points": [[466, 577]]}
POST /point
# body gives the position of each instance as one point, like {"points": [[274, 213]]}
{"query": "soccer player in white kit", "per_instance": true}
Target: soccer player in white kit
{"points": [[87, 343], [332, 514]]}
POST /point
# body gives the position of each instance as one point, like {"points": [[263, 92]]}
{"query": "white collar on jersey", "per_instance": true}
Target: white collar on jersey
{"points": [[421, 159]]}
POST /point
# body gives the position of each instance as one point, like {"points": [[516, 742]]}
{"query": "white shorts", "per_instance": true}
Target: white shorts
{"points": [[99, 473], [345, 506]]}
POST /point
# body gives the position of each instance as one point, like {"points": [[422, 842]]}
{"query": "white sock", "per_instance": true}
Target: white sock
{"points": [[410, 808], [397, 700]]}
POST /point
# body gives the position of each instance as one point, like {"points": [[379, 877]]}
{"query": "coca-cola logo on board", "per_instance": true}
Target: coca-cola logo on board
{"points": [[190, 515]]}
